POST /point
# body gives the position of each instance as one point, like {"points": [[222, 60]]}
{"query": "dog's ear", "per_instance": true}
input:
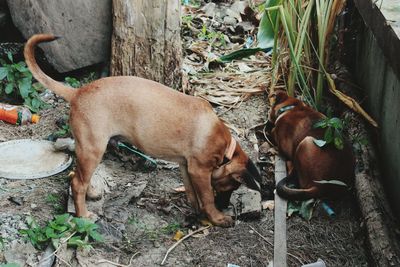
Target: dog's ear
{"points": [[251, 177], [277, 97]]}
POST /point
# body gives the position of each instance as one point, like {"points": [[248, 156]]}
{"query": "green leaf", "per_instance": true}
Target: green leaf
{"points": [[336, 123], [9, 88], [320, 124], [246, 52], [10, 56], [21, 67], [303, 208], [62, 219], [328, 136], [96, 236], [25, 86], [334, 182], [307, 208], [338, 143], [50, 232], [266, 30], [76, 241], [28, 102], [3, 73], [10, 74], [319, 142]]}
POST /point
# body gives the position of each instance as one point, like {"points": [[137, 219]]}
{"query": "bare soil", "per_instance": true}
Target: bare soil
{"points": [[141, 212]]}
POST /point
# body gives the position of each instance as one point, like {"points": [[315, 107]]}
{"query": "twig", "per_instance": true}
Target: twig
{"points": [[181, 240], [178, 208], [118, 264], [61, 259], [61, 243], [269, 243], [263, 237]]}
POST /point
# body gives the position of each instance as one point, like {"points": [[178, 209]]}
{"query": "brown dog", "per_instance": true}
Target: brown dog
{"points": [[159, 121], [294, 134]]}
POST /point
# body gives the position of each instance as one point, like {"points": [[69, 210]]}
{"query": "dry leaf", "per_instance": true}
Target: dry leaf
{"points": [[204, 233], [268, 205], [350, 102], [179, 189], [178, 235]]}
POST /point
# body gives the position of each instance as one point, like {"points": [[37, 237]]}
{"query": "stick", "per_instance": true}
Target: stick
{"points": [[269, 243], [181, 240], [61, 243], [118, 264]]}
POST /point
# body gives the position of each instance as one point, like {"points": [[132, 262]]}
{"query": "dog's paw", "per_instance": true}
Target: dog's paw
{"points": [[90, 216], [223, 221], [93, 194]]}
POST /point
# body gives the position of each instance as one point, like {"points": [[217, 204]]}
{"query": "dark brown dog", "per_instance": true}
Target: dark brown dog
{"points": [[294, 134], [163, 123]]}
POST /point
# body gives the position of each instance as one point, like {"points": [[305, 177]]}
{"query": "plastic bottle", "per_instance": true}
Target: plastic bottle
{"points": [[18, 115]]}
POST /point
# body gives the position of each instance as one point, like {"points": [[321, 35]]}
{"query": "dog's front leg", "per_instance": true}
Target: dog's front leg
{"points": [[200, 176], [190, 192]]}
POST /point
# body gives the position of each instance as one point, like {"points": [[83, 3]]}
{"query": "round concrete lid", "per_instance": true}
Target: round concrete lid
{"points": [[31, 159]]}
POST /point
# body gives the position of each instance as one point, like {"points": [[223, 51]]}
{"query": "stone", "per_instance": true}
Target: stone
{"points": [[85, 28]]}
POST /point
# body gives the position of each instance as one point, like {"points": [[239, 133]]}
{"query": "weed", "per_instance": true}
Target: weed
{"points": [[16, 79], [187, 20], [63, 132], [73, 82], [76, 232], [333, 132], [55, 201], [214, 38], [154, 234]]}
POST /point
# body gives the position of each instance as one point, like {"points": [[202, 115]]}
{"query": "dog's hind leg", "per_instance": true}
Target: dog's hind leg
{"points": [[190, 192], [89, 155]]}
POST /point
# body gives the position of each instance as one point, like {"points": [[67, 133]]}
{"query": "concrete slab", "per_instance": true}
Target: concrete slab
{"points": [[280, 246]]}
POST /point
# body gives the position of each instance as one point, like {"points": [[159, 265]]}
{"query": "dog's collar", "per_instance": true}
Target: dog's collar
{"points": [[283, 109]]}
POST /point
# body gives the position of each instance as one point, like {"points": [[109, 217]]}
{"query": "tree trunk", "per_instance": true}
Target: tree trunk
{"points": [[146, 40]]}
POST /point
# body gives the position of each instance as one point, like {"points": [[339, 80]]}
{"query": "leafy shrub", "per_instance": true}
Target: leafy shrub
{"points": [[16, 79], [333, 132], [63, 228]]}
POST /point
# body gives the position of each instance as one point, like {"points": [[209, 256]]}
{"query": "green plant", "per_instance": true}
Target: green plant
{"points": [[16, 78], [73, 82], [214, 38], [304, 29], [64, 131], [333, 132], [154, 234], [55, 201], [73, 231]]}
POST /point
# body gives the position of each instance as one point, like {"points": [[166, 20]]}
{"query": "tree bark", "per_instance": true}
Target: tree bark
{"points": [[146, 40]]}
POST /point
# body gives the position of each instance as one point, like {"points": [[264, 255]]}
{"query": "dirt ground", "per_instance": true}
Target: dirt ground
{"points": [[141, 212]]}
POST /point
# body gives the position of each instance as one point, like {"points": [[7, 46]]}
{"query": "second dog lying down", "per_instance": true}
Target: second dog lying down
{"points": [[294, 135], [163, 123]]}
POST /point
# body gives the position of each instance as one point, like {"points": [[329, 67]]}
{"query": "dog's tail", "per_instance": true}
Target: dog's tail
{"points": [[29, 52], [295, 194]]}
